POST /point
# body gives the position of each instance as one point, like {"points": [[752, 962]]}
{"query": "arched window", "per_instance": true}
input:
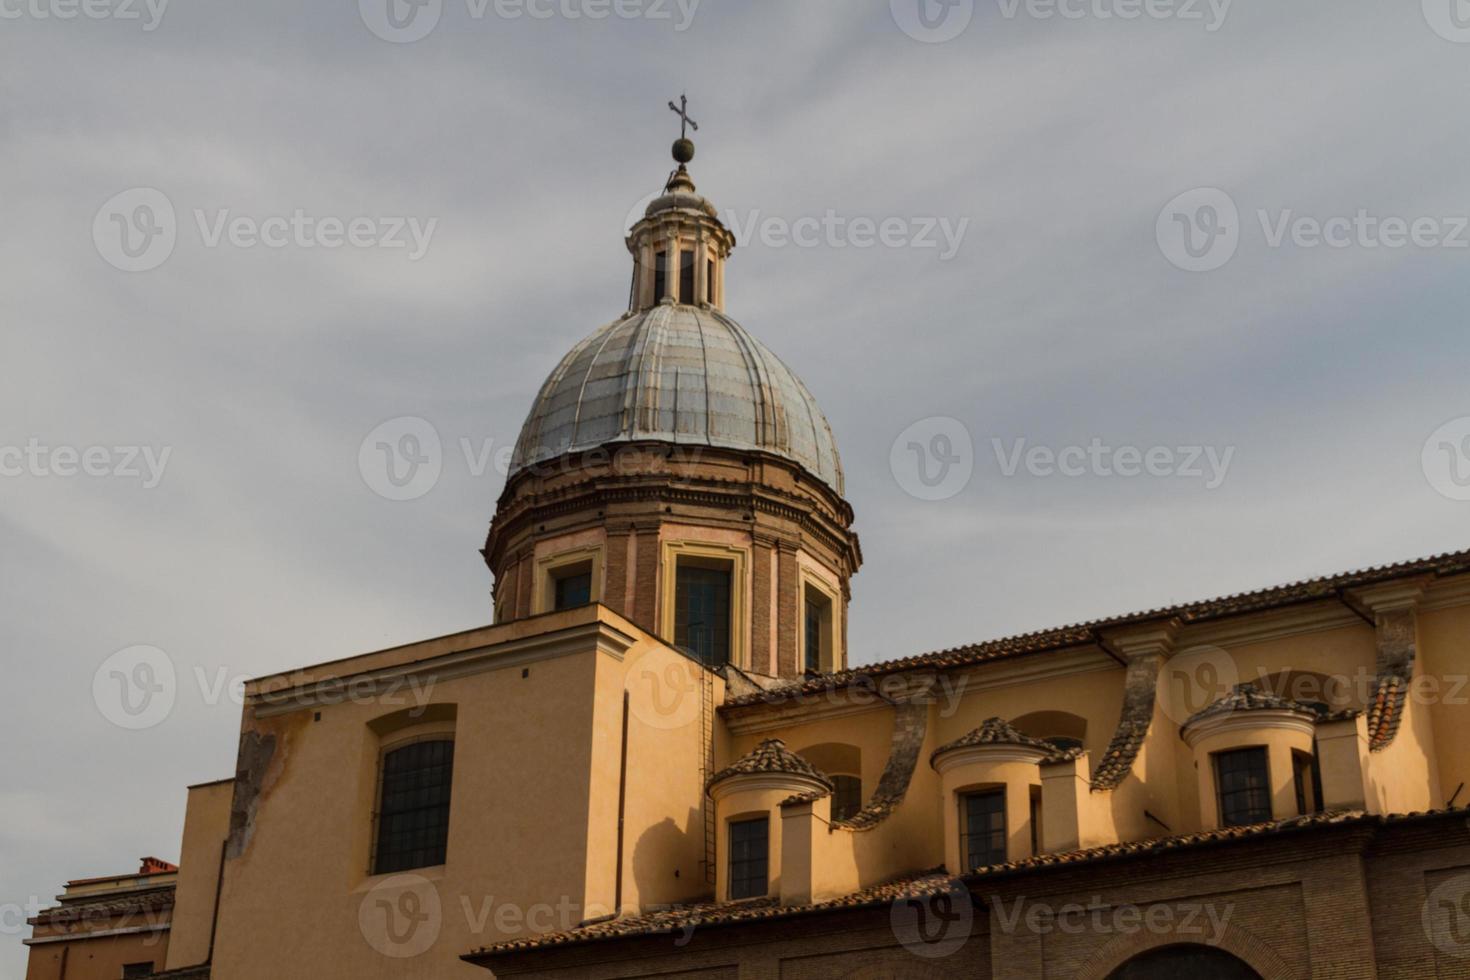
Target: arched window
{"points": [[1061, 728], [413, 806], [1193, 961]]}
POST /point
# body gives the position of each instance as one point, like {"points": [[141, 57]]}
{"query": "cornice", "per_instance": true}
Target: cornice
{"points": [[758, 718], [994, 753], [781, 782], [596, 635], [1278, 624], [1260, 719]]}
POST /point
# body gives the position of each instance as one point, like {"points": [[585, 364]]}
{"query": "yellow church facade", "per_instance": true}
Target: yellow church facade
{"points": [[658, 762]]}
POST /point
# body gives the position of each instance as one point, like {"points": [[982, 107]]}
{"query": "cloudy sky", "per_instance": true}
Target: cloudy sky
{"points": [[1221, 247]]}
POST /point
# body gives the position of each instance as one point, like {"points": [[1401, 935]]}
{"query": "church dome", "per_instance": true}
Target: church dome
{"points": [[681, 374]]}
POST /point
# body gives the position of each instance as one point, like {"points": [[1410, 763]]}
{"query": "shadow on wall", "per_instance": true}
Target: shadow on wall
{"points": [[667, 863]]}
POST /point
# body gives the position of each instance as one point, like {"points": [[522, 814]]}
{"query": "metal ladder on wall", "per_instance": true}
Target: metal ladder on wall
{"points": [[707, 769]]}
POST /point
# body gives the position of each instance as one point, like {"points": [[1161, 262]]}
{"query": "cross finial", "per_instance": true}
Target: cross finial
{"points": [[685, 123]]}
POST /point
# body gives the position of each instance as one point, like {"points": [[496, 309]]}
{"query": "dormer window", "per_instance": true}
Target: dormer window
{"points": [[983, 833], [749, 858], [1244, 786]]}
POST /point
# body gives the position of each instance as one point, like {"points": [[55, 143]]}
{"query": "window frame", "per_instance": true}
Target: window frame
{"points": [[698, 551], [1305, 764], [827, 657], [559, 564], [764, 822], [1260, 752], [375, 841], [967, 837]]}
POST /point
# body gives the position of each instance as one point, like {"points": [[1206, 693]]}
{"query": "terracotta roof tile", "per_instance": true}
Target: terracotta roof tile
{"points": [[684, 918], [996, 731], [771, 755], [1275, 597], [152, 900], [681, 918], [1248, 697]]}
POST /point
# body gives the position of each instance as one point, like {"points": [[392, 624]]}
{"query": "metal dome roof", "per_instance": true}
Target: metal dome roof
{"points": [[679, 374]]}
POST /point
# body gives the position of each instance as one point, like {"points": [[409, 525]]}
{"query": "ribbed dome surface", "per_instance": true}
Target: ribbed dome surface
{"points": [[678, 374]]}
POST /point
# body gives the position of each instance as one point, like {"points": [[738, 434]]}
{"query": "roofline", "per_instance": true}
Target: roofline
{"points": [[1090, 632], [1089, 857]]}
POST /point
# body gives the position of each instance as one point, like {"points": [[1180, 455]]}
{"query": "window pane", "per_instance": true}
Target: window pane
{"points": [[413, 812], [1308, 781], [813, 634], [749, 846], [702, 612], [983, 819], [1243, 783], [574, 590], [847, 797]]}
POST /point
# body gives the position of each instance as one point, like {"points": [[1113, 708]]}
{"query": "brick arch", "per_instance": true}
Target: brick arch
{"points": [[1236, 941]]}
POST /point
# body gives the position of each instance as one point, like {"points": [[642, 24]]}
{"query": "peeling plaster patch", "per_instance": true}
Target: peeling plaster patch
{"points": [[256, 752]]}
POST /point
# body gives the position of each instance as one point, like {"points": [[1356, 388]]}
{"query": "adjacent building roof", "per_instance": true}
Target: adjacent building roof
{"points": [[768, 757], [107, 906], [678, 374], [1261, 600]]}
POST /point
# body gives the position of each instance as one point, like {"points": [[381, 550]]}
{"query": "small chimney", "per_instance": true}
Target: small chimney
{"points": [[153, 866]]}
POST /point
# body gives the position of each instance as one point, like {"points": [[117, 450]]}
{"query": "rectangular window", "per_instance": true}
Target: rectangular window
{"points": [[983, 829], [1308, 779], [847, 797], [749, 858], [660, 275], [702, 610], [709, 281], [413, 810], [573, 588], [131, 970], [813, 636], [686, 277], [1242, 780]]}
